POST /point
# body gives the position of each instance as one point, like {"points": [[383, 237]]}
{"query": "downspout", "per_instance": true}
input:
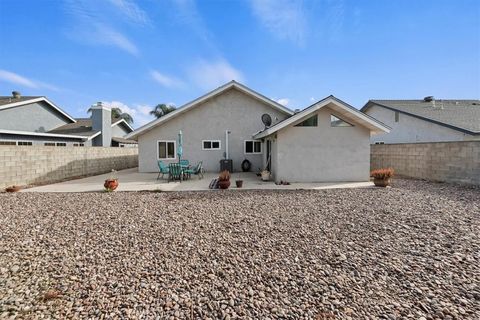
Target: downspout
{"points": [[227, 132]]}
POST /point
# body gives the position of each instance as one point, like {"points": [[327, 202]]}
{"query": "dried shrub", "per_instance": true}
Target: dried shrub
{"points": [[51, 294], [224, 176], [385, 173]]}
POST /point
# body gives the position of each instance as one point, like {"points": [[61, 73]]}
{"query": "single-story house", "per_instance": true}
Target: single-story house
{"points": [[27, 120], [328, 141], [426, 120]]}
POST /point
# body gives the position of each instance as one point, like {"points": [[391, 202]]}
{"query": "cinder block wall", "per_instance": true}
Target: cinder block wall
{"points": [[457, 162], [25, 165]]}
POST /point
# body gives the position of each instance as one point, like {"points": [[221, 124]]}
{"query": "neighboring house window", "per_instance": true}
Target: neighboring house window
{"points": [[211, 145], [379, 142], [24, 143], [166, 150], [310, 122], [49, 144], [253, 146], [61, 144], [8, 143], [337, 122], [78, 144], [397, 116]]}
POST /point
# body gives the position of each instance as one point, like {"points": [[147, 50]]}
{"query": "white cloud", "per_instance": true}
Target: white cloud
{"points": [[312, 99], [107, 36], [164, 80], [208, 75], [285, 19], [17, 79], [284, 101], [131, 11], [139, 112]]}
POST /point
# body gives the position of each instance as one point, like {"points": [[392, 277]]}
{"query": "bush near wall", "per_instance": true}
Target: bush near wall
{"points": [[27, 165], [457, 162]]}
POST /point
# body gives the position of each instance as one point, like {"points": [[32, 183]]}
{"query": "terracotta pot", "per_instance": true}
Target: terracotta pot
{"points": [[111, 184], [239, 183], [12, 189], [381, 182], [224, 184]]}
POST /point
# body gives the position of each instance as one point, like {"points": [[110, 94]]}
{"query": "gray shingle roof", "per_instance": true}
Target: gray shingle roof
{"points": [[83, 127], [9, 99], [463, 115]]}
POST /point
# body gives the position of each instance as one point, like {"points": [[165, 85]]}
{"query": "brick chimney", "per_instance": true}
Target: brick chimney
{"points": [[102, 120]]}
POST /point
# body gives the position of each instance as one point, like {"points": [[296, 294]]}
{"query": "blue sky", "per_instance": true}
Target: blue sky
{"points": [[138, 53]]}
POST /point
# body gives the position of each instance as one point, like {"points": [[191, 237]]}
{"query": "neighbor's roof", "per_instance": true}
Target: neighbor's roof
{"points": [[10, 102], [84, 127], [340, 107], [211, 94], [461, 115], [123, 140]]}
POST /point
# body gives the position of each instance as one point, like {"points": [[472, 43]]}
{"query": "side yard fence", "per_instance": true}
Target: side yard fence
{"points": [[457, 162], [25, 165]]}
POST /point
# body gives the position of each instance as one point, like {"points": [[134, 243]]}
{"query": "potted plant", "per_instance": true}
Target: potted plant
{"points": [[381, 177], [112, 182], [265, 175], [224, 179], [239, 183], [12, 189]]}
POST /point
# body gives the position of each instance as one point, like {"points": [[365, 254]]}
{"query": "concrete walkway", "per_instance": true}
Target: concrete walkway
{"points": [[132, 180]]}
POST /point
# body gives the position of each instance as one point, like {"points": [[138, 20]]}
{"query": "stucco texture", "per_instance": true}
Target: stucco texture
{"points": [[231, 110], [322, 153], [410, 129]]}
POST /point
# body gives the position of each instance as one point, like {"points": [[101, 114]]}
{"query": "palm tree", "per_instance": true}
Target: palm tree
{"points": [[117, 113], [162, 109]]}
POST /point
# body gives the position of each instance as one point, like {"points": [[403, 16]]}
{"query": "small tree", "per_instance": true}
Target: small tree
{"points": [[162, 109]]}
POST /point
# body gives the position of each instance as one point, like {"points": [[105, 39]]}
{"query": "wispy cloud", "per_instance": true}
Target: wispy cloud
{"points": [[164, 80], [284, 101], [131, 11], [208, 75], [92, 23], [186, 12], [284, 19], [14, 78]]}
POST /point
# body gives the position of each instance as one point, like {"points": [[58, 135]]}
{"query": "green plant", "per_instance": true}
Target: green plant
{"points": [[224, 176], [384, 173]]}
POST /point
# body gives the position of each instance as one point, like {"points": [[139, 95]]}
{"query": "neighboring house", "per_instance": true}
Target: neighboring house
{"points": [[38, 121], [328, 141], [426, 120]]}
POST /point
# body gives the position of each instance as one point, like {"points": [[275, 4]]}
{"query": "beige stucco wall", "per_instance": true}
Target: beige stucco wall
{"points": [[24, 165], [232, 110], [322, 153], [410, 129], [457, 162]]}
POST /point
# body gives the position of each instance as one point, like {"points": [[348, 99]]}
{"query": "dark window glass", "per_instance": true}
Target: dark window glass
{"points": [[310, 122]]}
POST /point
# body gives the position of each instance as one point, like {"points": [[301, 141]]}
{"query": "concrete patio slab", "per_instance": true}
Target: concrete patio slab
{"points": [[132, 180]]}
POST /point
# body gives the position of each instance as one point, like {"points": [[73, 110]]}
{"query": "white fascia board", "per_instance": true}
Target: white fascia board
{"points": [[42, 134], [120, 121]]}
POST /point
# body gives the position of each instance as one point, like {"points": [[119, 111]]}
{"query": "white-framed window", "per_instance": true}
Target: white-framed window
{"points": [[310, 122], [211, 145], [8, 143], [337, 122], [253, 147], [61, 144], [166, 149], [78, 144], [24, 143], [49, 144], [379, 142]]}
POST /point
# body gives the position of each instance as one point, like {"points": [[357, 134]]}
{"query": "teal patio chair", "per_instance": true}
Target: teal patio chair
{"points": [[163, 169], [184, 163], [175, 172], [197, 170]]}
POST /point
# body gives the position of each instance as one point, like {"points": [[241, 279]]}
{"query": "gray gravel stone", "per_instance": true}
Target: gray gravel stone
{"points": [[407, 252]]}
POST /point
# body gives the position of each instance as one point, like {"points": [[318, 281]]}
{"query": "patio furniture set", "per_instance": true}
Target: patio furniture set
{"points": [[180, 171]]}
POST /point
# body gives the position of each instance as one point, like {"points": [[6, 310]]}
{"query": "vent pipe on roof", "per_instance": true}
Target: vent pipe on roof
{"points": [[16, 94]]}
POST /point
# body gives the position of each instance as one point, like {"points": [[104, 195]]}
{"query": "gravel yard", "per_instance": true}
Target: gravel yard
{"points": [[410, 251]]}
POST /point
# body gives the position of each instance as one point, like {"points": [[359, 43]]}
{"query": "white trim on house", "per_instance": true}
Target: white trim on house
{"points": [[166, 149], [94, 135], [33, 100], [212, 149], [211, 94], [44, 134], [340, 106], [253, 146], [120, 121]]}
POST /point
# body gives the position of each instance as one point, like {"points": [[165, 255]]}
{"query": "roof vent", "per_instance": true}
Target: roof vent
{"points": [[16, 94], [296, 111], [428, 99]]}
